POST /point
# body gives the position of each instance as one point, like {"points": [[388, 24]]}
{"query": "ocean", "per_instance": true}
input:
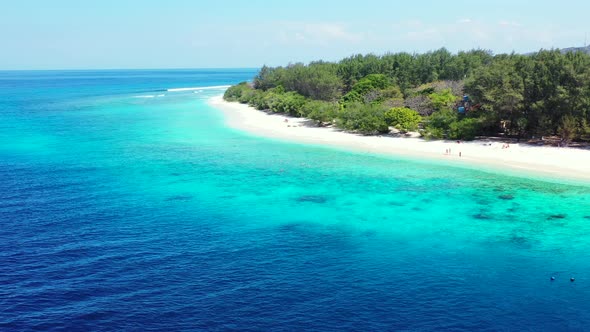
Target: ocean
{"points": [[126, 204]]}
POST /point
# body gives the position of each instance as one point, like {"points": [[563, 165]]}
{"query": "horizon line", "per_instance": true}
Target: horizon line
{"points": [[478, 48], [120, 69]]}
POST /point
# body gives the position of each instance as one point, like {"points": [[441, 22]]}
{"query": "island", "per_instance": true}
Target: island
{"points": [[506, 111]]}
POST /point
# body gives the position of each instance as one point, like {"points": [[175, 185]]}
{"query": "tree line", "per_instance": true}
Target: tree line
{"points": [[443, 95]]}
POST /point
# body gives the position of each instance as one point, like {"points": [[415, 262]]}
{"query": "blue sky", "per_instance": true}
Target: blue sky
{"points": [[68, 34]]}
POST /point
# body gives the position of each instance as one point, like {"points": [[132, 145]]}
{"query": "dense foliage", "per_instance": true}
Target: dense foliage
{"points": [[403, 119], [543, 94]]}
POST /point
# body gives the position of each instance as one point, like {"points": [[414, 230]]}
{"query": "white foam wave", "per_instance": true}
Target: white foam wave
{"points": [[150, 96], [215, 87]]}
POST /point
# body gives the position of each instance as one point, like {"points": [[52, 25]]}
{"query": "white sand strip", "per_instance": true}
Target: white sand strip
{"points": [[535, 161]]}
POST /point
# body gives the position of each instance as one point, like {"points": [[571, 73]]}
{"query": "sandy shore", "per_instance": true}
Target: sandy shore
{"points": [[542, 162]]}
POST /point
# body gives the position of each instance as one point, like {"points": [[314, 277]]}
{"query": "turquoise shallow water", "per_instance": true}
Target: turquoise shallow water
{"points": [[126, 212]]}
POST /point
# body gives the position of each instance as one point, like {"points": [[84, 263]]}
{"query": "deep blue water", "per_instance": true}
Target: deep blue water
{"points": [[124, 206]]}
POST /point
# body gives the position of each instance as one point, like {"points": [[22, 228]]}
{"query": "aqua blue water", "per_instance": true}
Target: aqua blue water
{"points": [[124, 206]]}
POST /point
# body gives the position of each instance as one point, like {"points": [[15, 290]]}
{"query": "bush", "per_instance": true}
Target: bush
{"points": [[466, 129], [439, 123], [361, 118], [234, 93], [246, 96], [568, 128], [255, 99], [320, 111], [404, 119], [372, 89], [433, 133], [289, 103], [370, 83], [351, 97]]}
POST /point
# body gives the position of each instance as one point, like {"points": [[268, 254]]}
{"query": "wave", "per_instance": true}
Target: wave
{"points": [[215, 87], [150, 96]]}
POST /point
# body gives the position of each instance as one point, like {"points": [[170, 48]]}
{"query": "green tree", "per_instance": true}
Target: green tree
{"points": [[500, 88], [568, 129], [443, 99], [438, 125], [267, 78]]}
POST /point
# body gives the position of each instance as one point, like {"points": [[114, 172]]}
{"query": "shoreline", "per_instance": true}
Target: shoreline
{"points": [[543, 163]]}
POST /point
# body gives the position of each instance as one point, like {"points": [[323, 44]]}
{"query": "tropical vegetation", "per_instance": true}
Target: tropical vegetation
{"points": [[440, 94]]}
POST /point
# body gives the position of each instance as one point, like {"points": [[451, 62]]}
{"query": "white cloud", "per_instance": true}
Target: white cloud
{"points": [[408, 24], [316, 33], [292, 41], [299, 36], [505, 23], [441, 34], [469, 33], [425, 34]]}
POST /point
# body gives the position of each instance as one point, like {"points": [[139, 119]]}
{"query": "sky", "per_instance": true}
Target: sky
{"points": [[121, 34]]}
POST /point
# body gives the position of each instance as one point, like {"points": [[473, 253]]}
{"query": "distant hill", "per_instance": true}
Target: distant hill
{"points": [[585, 49]]}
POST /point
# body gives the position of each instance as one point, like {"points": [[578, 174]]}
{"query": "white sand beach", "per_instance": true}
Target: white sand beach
{"points": [[538, 161]]}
